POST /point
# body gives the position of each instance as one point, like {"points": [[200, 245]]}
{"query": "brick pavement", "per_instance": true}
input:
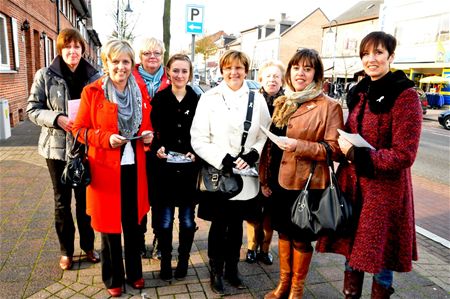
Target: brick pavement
{"points": [[29, 249]]}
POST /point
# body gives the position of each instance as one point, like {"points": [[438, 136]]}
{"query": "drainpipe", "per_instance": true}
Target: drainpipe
{"points": [[57, 17]]}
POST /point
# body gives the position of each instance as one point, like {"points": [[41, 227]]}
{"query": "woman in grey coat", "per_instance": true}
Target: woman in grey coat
{"points": [[52, 89]]}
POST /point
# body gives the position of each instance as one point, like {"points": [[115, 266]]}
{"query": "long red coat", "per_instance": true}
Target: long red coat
{"points": [[385, 236], [103, 200]]}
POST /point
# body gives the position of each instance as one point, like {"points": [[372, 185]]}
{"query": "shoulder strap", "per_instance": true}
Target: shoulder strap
{"points": [[328, 149], [248, 119]]}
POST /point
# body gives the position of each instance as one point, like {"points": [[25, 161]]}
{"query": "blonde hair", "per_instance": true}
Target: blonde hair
{"points": [[150, 44], [270, 63], [114, 48]]}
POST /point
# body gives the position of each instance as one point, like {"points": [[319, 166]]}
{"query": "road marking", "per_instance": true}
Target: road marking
{"points": [[433, 131], [432, 236]]}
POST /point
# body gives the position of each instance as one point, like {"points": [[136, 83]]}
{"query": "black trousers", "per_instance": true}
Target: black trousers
{"points": [[64, 224], [111, 254], [225, 233]]}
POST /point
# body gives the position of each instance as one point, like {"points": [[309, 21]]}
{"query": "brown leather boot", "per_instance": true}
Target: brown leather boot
{"points": [[353, 282], [300, 267], [284, 253], [380, 292]]}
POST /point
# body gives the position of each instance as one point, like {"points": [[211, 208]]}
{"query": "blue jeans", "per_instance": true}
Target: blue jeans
{"points": [[185, 217], [384, 277]]}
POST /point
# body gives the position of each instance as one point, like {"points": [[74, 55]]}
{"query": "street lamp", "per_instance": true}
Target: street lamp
{"points": [[120, 32], [128, 8], [330, 31]]}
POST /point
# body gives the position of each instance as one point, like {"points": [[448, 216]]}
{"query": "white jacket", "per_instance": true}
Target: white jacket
{"points": [[218, 126]]}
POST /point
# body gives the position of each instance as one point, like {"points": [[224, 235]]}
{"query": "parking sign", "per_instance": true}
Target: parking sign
{"points": [[194, 19]]}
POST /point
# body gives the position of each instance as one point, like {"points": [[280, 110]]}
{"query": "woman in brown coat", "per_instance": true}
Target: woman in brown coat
{"points": [[307, 117]]}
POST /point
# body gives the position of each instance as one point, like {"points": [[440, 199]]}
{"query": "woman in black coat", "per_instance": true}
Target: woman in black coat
{"points": [[172, 114]]}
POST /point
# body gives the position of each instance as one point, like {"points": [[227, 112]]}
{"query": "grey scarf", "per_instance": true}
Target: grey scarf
{"points": [[129, 104]]}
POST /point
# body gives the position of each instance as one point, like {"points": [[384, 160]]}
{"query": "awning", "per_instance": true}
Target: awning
{"points": [[344, 67], [423, 67]]}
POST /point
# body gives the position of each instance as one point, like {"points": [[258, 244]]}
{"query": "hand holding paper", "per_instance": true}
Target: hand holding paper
{"points": [[278, 140], [355, 139]]}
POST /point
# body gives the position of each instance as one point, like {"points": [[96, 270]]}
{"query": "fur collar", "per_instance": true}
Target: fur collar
{"points": [[381, 94]]}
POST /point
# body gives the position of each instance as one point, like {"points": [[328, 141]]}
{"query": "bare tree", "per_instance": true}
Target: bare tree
{"points": [[123, 27], [166, 29]]}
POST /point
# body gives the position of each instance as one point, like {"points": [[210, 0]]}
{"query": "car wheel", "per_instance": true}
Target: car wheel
{"points": [[447, 122]]}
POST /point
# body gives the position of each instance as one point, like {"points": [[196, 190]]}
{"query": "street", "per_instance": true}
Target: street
{"points": [[433, 159]]}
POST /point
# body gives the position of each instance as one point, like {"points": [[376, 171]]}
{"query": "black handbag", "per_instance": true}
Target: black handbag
{"points": [[211, 179], [77, 172], [330, 212]]}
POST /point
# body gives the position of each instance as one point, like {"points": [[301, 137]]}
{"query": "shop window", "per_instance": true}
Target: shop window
{"points": [[4, 44]]}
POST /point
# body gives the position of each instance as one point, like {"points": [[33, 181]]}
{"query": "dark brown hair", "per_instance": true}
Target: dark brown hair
{"points": [[305, 57], [376, 38], [182, 57], [68, 35]]}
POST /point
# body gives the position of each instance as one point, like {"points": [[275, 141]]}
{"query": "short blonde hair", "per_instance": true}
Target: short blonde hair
{"points": [[150, 44], [114, 48], [233, 55], [270, 63]]}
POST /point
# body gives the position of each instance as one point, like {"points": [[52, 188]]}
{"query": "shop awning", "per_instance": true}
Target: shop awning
{"points": [[344, 67], [422, 67]]}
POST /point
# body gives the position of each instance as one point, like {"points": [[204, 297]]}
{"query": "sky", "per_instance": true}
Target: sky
{"points": [[231, 16]]}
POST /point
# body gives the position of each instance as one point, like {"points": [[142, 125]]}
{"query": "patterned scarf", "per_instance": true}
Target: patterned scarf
{"points": [[285, 106], [129, 104], [152, 81]]}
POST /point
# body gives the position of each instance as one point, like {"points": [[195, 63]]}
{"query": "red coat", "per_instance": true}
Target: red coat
{"points": [[385, 235], [103, 200]]}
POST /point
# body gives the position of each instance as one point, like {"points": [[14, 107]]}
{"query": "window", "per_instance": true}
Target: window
{"points": [[15, 39], [4, 46]]}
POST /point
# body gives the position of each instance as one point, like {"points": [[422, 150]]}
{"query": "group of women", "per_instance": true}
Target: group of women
{"points": [[148, 132]]}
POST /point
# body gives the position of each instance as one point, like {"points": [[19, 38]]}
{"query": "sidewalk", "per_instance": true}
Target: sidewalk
{"points": [[29, 252]]}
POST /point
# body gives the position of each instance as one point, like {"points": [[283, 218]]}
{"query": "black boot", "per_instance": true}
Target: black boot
{"points": [[165, 244], [232, 274], [217, 276], [186, 238]]}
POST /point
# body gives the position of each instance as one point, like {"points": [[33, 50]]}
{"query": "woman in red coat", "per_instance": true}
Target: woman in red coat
{"points": [[116, 112], [384, 110]]}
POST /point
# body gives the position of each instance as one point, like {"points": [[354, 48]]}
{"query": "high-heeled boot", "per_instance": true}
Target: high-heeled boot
{"points": [[284, 253], [300, 267], [353, 282], [380, 292], [186, 238]]}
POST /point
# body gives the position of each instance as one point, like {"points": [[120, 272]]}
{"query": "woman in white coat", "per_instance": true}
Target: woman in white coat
{"points": [[216, 135]]}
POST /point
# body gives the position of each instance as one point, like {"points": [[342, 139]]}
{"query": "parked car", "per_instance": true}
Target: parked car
{"points": [[215, 81], [423, 99], [196, 79], [253, 85], [444, 119], [198, 89]]}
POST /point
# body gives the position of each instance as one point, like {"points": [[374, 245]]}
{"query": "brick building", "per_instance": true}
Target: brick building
{"points": [[28, 32]]}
